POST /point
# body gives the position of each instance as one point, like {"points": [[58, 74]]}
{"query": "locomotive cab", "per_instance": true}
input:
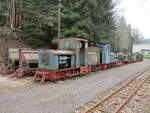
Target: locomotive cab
{"points": [[79, 46], [105, 56]]}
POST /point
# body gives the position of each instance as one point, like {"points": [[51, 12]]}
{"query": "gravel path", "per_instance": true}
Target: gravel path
{"points": [[64, 96]]}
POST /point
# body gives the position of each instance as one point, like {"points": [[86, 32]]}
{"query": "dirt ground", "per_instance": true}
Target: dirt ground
{"points": [[20, 96], [7, 84]]}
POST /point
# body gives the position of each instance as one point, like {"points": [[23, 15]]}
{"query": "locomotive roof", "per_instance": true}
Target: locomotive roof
{"points": [[62, 52]]}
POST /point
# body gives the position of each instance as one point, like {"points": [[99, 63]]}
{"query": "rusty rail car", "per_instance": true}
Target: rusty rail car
{"points": [[22, 59]]}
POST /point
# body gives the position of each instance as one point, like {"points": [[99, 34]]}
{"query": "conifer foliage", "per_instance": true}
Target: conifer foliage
{"points": [[89, 19]]}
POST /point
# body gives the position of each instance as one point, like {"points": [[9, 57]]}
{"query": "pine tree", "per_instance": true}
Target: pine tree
{"points": [[89, 19]]}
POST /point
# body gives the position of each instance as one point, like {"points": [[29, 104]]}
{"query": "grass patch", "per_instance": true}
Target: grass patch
{"points": [[147, 56], [2, 41], [72, 112], [81, 107], [31, 82]]}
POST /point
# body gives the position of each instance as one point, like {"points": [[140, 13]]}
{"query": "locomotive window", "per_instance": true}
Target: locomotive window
{"points": [[81, 45], [64, 61]]}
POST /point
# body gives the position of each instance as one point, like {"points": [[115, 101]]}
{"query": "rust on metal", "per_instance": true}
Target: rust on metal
{"points": [[130, 97]]}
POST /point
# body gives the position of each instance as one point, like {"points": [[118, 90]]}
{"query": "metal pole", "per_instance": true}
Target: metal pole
{"points": [[59, 23]]}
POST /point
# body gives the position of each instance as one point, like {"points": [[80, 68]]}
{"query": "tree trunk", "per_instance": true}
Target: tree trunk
{"points": [[15, 14]]}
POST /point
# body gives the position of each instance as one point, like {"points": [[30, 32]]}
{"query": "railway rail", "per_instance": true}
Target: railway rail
{"points": [[115, 102]]}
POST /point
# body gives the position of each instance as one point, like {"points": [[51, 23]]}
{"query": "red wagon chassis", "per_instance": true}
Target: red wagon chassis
{"points": [[118, 63], [53, 75]]}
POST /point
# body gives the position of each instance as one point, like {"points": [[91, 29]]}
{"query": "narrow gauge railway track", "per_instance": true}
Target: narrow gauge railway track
{"points": [[115, 102]]}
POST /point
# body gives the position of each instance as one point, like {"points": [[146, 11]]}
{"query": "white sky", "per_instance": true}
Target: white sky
{"points": [[137, 13]]}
